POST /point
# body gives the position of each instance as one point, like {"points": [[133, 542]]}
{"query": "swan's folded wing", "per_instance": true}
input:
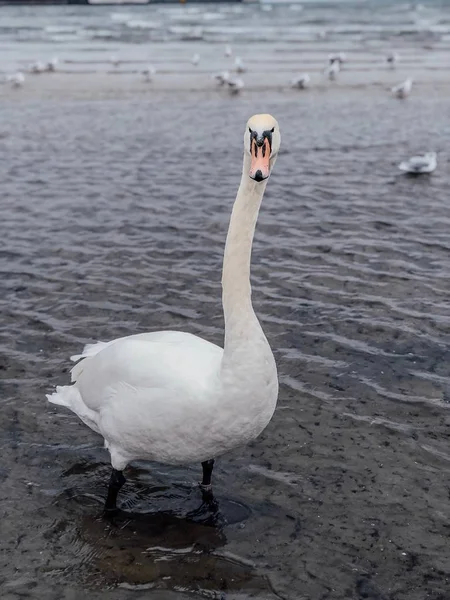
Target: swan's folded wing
{"points": [[178, 363]]}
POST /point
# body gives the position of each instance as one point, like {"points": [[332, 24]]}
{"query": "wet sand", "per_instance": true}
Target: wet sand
{"points": [[109, 228]]}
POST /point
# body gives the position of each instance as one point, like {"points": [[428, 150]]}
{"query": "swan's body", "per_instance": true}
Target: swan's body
{"points": [[420, 164], [301, 82], [402, 90], [173, 397]]}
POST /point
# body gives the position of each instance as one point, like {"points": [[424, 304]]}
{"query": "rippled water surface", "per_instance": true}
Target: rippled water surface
{"points": [[113, 220]]}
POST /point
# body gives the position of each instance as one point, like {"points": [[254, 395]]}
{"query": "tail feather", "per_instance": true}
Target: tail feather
{"points": [[65, 395], [90, 350]]}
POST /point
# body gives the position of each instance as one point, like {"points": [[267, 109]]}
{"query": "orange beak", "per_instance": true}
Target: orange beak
{"points": [[260, 167]]}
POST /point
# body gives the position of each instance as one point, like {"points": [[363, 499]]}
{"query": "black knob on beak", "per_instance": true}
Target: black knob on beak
{"points": [[258, 176]]}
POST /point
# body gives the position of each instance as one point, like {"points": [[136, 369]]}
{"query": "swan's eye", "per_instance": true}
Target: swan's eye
{"points": [[272, 130], [250, 130]]}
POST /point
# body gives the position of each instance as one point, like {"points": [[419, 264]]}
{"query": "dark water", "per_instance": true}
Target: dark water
{"points": [[109, 227]]}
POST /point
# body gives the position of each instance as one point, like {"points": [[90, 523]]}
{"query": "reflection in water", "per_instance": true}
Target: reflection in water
{"points": [[163, 550]]}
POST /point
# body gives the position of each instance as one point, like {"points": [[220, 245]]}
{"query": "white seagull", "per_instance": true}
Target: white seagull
{"points": [[419, 164], [301, 82], [195, 59], [228, 51], [402, 90], [148, 73], [38, 67], [51, 65], [16, 79], [239, 65], [332, 70], [392, 59], [339, 57], [222, 78], [235, 86]]}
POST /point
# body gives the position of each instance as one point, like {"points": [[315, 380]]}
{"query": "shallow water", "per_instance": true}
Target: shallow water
{"points": [[109, 227]]}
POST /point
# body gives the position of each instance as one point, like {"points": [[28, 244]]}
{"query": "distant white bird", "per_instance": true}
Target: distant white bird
{"points": [[239, 65], [392, 59], [332, 70], [235, 86], [195, 59], [51, 65], [16, 79], [37, 67], [114, 61], [228, 51], [420, 164], [301, 82], [222, 78], [403, 89], [149, 73], [339, 57]]}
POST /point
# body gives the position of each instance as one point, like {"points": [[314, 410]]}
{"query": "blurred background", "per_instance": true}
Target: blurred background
{"points": [[121, 137]]}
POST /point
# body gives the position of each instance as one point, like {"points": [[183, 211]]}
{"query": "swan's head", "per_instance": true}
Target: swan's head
{"points": [[261, 143]]}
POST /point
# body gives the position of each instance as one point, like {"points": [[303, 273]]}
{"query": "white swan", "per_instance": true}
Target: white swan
{"points": [[171, 396], [402, 90], [420, 164]]}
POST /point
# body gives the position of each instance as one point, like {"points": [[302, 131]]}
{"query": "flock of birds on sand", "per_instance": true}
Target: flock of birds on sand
{"points": [[234, 83]]}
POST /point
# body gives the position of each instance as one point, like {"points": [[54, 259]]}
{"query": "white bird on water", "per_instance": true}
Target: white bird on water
{"points": [[148, 73], [426, 163], [301, 82], [173, 397], [115, 61], [392, 59], [235, 86], [339, 57], [228, 51], [37, 68], [239, 65], [402, 90], [52, 64], [332, 70], [195, 59], [16, 79], [222, 78]]}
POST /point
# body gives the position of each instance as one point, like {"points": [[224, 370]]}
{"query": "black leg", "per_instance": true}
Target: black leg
{"points": [[115, 483], [207, 467]]}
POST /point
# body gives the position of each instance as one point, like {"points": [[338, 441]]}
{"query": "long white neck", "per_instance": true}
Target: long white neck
{"points": [[240, 319]]}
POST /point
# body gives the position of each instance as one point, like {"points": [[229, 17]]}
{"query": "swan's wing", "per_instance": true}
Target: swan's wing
{"points": [[177, 362]]}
